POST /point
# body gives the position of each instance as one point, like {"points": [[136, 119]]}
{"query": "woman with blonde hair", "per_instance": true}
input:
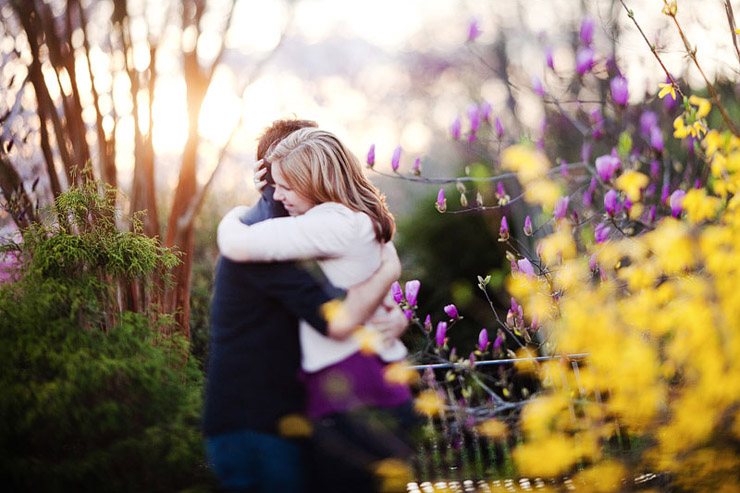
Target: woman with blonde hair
{"points": [[338, 218]]}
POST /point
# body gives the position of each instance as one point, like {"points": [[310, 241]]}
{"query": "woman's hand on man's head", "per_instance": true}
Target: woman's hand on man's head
{"points": [[260, 175]]}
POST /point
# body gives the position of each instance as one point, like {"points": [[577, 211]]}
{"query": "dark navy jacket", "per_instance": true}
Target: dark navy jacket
{"points": [[254, 352]]}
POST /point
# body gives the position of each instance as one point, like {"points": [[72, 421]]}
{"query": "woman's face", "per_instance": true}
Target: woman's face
{"points": [[295, 203]]}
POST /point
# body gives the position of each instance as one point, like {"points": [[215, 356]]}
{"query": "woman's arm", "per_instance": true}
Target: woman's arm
{"points": [[324, 231], [362, 299]]}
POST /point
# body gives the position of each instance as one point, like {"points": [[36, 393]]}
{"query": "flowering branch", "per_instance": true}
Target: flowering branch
{"points": [[631, 15], [710, 87]]}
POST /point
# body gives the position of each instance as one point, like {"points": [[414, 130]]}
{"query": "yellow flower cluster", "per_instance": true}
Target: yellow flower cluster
{"points": [[692, 122], [662, 330], [531, 166]]}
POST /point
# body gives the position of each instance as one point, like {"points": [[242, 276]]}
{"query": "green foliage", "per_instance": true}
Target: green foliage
{"points": [[447, 253], [92, 402]]}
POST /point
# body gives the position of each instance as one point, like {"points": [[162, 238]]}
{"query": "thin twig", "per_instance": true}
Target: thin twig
{"points": [[731, 21], [710, 87], [631, 15]]}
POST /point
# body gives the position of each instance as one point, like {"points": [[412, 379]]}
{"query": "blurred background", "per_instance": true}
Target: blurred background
{"points": [[165, 100]]}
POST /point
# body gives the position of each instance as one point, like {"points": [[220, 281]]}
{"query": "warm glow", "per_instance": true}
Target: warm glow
{"points": [[170, 116], [220, 112]]}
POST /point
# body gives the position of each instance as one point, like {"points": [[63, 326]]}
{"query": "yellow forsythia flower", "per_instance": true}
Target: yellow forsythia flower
{"points": [[700, 206], [632, 182], [704, 106], [669, 8], [368, 340], [493, 428], [294, 426], [429, 403], [666, 89], [400, 373]]}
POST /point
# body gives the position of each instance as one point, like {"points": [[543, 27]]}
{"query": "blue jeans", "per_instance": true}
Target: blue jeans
{"points": [[250, 461]]}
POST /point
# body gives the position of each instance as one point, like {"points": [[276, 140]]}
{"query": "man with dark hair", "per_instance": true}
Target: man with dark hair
{"points": [[254, 399]]}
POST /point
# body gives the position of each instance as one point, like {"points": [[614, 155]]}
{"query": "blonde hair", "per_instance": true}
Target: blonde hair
{"points": [[318, 166]]}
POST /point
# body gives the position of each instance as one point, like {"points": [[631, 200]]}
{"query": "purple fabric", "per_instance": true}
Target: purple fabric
{"points": [[354, 382]]}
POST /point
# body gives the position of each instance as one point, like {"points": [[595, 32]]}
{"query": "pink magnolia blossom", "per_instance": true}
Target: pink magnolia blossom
{"points": [[441, 333], [412, 291], [396, 159], [371, 156], [483, 340]]}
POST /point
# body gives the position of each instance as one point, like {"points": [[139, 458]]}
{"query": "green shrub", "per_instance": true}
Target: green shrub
{"points": [[92, 397]]}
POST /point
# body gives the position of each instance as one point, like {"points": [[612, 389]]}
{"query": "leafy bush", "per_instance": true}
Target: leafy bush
{"points": [[93, 397]]}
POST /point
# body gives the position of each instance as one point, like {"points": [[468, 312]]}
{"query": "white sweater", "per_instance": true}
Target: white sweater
{"points": [[340, 239]]}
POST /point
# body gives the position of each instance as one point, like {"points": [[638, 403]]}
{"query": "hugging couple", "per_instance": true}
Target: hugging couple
{"points": [[303, 326]]}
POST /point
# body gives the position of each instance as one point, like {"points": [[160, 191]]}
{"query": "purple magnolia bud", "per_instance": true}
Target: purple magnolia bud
{"points": [[648, 120], [548, 57], [483, 340], [656, 139], [409, 313], [561, 207], [503, 231], [441, 201], [593, 262], [499, 128], [514, 304], [651, 214], [665, 193], [584, 60], [396, 159], [500, 190], [528, 226], [485, 111], [451, 311], [588, 198], [473, 29], [428, 323], [606, 165], [417, 166], [441, 333], [535, 323], [396, 292], [525, 267], [620, 90], [655, 168], [412, 291], [610, 202], [474, 117], [497, 343], [587, 31], [677, 202], [456, 128], [628, 204], [371, 156]]}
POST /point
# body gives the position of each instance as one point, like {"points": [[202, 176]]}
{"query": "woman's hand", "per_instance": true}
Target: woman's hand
{"points": [[390, 264], [260, 175], [390, 322]]}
